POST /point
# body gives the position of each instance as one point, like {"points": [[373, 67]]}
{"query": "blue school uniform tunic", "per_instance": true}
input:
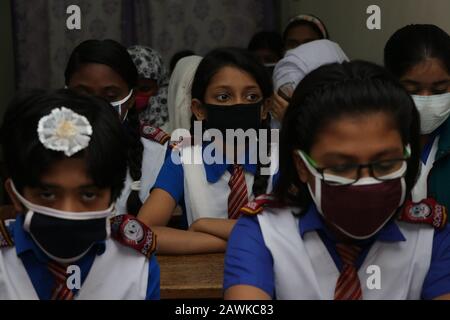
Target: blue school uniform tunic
{"points": [[35, 263], [172, 179], [248, 261]]}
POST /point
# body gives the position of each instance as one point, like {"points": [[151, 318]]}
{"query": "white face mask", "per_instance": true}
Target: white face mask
{"points": [[64, 236], [118, 105], [434, 110]]}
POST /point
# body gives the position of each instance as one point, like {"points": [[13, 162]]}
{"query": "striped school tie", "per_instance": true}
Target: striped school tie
{"points": [[60, 290], [348, 286], [238, 196]]}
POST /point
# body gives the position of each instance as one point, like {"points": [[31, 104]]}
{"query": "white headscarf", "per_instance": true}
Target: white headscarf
{"points": [[298, 62], [180, 98]]}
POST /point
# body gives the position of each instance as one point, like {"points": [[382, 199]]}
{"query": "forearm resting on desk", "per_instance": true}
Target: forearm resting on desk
{"points": [[178, 242], [220, 228]]}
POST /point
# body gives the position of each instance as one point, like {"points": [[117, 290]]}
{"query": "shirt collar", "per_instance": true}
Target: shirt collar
{"points": [[444, 140], [313, 221], [24, 243], [216, 170], [429, 145], [22, 240]]}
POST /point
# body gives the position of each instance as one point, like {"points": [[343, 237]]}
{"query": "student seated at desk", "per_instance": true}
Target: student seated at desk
{"points": [[105, 69], [66, 158], [338, 226], [231, 90]]}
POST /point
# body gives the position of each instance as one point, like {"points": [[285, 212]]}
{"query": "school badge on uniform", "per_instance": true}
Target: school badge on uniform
{"points": [[154, 134], [258, 204], [427, 211], [6, 239], [130, 232]]}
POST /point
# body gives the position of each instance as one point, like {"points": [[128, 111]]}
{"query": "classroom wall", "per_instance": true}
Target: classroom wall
{"points": [[6, 55], [346, 20], [6, 65]]}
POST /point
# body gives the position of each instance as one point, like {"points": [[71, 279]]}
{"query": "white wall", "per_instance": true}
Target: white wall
{"points": [[346, 20]]}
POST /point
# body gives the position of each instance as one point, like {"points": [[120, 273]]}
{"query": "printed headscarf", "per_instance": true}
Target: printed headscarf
{"points": [[150, 65]]}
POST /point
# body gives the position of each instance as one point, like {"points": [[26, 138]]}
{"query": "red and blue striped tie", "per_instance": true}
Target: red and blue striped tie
{"points": [[348, 286], [238, 196], [60, 290]]}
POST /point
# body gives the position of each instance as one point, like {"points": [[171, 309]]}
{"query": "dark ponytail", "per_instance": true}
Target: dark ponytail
{"points": [[116, 56]]}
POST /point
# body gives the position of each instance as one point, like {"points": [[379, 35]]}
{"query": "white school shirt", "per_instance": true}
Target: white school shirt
{"points": [[304, 269], [152, 160], [420, 190], [120, 273], [210, 200]]}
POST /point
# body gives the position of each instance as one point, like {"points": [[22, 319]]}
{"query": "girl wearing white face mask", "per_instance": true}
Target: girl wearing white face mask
{"points": [[66, 158], [349, 155], [419, 55], [106, 69]]}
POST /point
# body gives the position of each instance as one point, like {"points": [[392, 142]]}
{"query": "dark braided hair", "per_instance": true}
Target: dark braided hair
{"points": [[243, 60], [114, 55], [135, 153]]}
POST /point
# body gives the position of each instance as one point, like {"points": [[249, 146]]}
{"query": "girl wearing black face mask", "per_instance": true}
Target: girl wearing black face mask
{"points": [[230, 91], [336, 226], [66, 160]]}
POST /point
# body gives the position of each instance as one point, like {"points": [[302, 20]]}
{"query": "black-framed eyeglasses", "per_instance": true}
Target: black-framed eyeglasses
{"points": [[347, 174]]}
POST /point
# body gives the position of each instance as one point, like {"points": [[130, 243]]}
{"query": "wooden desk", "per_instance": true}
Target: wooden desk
{"points": [[191, 276]]}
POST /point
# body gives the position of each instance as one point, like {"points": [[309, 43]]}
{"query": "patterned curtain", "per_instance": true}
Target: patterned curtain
{"points": [[43, 43]]}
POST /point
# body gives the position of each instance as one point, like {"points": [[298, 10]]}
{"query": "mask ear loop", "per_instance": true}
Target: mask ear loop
{"points": [[108, 228], [317, 195], [87, 215], [27, 222], [125, 117], [118, 104], [403, 197]]}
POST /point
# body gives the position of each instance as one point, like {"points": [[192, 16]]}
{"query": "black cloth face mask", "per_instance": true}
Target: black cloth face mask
{"points": [[239, 116]]}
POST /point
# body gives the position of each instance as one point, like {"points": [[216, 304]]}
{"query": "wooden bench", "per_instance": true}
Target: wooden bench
{"points": [[192, 276]]}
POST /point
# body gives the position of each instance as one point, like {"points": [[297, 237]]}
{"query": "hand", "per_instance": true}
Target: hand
{"points": [[278, 107]]}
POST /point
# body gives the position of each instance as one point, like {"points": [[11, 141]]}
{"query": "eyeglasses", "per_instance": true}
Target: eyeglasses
{"points": [[347, 174]]}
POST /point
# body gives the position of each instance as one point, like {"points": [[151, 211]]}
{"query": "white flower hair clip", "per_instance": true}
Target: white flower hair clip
{"points": [[64, 130]]}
